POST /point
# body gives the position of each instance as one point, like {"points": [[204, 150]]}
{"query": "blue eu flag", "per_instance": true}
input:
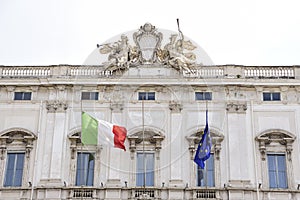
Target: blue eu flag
{"points": [[203, 150]]}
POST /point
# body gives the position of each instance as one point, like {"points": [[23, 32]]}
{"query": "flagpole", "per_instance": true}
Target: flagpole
{"points": [[143, 126], [206, 116], [81, 163]]}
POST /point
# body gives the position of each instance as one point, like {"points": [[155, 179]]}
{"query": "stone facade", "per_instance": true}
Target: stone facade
{"points": [[245, 128]]}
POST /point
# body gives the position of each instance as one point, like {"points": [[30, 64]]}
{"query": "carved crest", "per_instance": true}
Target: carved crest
{"points": [[148, 40]]}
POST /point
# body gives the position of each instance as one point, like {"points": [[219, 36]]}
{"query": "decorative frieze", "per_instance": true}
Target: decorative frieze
{"points": [[56, 106], [237, 107]]}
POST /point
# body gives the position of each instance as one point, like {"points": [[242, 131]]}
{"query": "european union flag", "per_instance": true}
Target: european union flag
{"points": [[203, 150]]}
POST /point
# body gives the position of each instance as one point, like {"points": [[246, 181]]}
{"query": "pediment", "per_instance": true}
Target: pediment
{"points": [[276, 135], [17, 135]]}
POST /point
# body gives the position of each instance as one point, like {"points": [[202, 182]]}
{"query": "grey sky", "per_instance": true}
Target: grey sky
{"points": [[242, 32]]}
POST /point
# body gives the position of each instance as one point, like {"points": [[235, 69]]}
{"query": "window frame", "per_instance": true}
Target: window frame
{"points": [[206, 171], [275, 141], [140, 95], [81, 172], [271, 97], [276, 175], [92, 95], [206, 96], [151, 173], [23, 95], [15, 182]]}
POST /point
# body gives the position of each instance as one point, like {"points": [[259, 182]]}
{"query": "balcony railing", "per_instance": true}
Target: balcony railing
{"points": [[25, 72], [269, 72], [200, 72]]}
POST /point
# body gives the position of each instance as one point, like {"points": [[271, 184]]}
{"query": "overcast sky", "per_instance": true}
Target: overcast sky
{"points": [[241, 32]]}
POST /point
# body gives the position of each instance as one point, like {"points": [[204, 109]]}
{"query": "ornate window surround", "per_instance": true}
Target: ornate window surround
{"points": [[17, 140], [193, 140], [153, 143], [75, 147], [275, 141]]}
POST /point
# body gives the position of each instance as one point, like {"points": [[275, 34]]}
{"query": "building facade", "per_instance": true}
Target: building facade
{"points": [[159, 88]]}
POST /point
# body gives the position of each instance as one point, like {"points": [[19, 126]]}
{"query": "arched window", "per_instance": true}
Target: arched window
{"points": [[145, 153], [210, 175], [84, 162], [16, 146], [275, 147]]}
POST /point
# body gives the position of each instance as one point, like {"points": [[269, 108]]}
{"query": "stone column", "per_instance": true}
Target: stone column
{"points": [[175, 144], [114, 163], [54, 143], [238, 143]]}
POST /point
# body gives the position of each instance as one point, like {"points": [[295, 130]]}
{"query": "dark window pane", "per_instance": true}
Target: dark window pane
{"points": [[203, 96], [18, 95], [151, 96], [22, 96], [276, 96], [267, 96], [146, 95], [27, 95], [89, 95], [208, 96], [199, 96], [142, 95]]}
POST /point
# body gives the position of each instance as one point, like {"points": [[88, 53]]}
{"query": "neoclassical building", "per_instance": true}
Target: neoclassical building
{"points": [[158, 84]]}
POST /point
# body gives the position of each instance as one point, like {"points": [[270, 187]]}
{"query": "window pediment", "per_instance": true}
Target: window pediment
{"points": [[16, 138], [276, 135], [195, 138], [17, 135], [152, 139]]}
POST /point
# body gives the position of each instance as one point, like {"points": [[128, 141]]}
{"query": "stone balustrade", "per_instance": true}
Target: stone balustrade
{"points": [[269, 72], [209, 72]]}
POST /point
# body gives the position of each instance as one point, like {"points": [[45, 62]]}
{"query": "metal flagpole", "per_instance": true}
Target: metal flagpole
{"points": [[143, 126], [205, 170], [81, 155]]}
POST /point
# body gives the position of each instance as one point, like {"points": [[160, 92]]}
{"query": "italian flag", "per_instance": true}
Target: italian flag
{"points": [[95, 132]]}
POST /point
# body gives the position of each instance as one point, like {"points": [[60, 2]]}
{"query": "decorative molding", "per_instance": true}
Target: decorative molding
{"points": [[237, 107], [56, 106], [117, 107], [175, 107], [147, 40], [17, 137], [195, 138], [151, 139], [10, 88], [281, 137]]}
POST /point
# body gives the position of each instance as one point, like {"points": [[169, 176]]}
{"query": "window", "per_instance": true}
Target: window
{"points": [[146, 95], [145, 160], [206, 176], [277, 171], [85, 169], [89, 95], [14, 169], [271, 96], [203, 96], [22, 96]]}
